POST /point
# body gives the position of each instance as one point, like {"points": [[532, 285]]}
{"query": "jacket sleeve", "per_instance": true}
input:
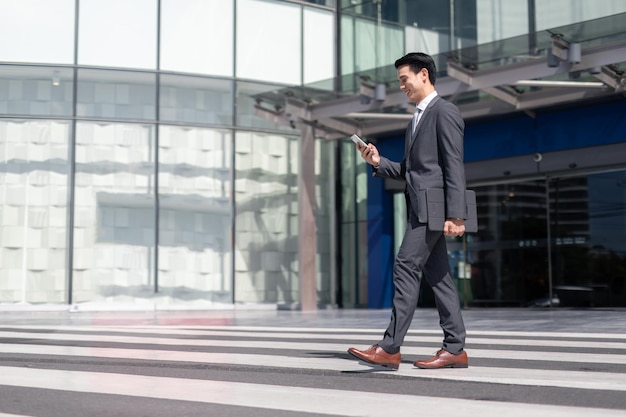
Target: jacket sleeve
{"points": [[390, 169], [450, 128]]}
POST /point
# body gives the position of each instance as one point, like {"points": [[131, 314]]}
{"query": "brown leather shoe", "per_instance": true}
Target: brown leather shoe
{"points": [[444, 359], [377, 356]]}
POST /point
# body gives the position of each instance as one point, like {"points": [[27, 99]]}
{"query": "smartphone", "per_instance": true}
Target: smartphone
{"points": [[358, 140]]}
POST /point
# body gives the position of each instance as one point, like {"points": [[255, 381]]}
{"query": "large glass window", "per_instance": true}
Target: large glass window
{"points": [[247, 95], [319, 46], [37, 31], [196, 100], [607, 211], [347, 45], [583, 263], [269, 36], [428, 41], [116, 94], [197, 36], [118, 33], [36, 91], [329, 3], [266, 226], [114, 213], [499, 20], [555, 13], [34, 173], [369, 45], [588, 217], [325, 221], [509, 254], [195, 215], [353, 280]]}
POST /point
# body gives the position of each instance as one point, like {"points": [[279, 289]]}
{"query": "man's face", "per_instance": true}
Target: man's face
{"points": [[413, 84]]}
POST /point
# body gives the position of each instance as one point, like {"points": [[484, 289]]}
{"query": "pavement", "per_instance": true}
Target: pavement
{"points": [[261, 361], [609, 320]]}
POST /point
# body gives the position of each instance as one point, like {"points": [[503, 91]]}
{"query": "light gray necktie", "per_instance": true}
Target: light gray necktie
{"points": [[416, 117]]}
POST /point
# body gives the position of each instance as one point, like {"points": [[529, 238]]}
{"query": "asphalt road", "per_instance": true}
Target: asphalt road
{"points": [[288, 363]]}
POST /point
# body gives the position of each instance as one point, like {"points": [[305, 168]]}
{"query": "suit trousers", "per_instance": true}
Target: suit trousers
{"points": [[423, 253]]}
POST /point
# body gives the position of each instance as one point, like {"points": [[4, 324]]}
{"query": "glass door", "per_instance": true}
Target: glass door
{"points": [[509, 254], [578, 261], [588, 218]]}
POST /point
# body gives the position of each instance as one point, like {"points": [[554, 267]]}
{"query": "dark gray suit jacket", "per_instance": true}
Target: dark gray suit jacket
{"points": [[433, 158]]}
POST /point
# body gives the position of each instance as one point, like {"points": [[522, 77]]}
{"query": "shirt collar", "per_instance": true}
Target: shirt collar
{"points": [[426, 101]]}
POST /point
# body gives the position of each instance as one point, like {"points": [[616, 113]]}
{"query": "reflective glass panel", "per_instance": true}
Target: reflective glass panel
{"points": [[247, 96], [329, 3], [353, 280], [116, 94], [497, 20], [37, 31], [114, 214], [509, 254], [266, 224], [196, 100], [555, 13], [429, 41], [36, 91], [197, 36], [366, 51], [34, 174], [588, 220], [347, 45], [195, 215], [325, 222], [319, 46], [375, 46], [269, 41], [118, 33]]}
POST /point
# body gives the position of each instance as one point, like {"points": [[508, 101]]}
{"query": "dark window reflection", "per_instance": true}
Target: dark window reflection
{"points": [[509, 255]]}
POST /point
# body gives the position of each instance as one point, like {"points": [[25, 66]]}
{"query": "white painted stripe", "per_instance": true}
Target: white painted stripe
{"points": [[296, 399], [221, 333], [13, 415], [516, 376], [335, 347], [377, 332], [618, 336]]}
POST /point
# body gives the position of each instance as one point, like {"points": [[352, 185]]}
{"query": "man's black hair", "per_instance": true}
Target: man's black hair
{"points": [[418, 60]]}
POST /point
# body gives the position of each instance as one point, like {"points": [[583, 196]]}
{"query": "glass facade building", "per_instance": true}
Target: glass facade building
{"points": [[136, 169]]}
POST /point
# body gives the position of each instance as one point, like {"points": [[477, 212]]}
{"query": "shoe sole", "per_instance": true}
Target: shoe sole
{"points": [[386, 365], [441, 367]]}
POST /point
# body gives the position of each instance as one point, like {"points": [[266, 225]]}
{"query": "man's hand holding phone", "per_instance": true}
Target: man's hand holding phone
{"points": [[360, 142], [368, 151]]}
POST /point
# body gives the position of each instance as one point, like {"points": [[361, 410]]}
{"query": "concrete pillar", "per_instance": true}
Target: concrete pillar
{"points": [[307, 240]]}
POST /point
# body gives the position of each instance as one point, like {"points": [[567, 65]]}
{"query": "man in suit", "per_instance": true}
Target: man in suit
{"points": [[433, 158]]}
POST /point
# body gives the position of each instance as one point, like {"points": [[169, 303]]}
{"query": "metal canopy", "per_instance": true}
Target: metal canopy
{"points": [[480, 83]]}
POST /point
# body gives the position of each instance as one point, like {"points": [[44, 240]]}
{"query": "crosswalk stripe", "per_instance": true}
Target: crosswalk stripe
{"points": [[297, 399], [13, 415], [604, 358], [497, 359], [191, 330], [529, 377], [279, 334]]}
